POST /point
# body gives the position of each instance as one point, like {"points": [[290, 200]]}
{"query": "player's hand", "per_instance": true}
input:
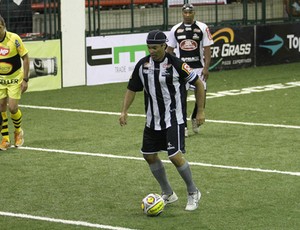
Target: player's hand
{"points": [[200, 118], [123, 119], [24, 86], [205, 74]]}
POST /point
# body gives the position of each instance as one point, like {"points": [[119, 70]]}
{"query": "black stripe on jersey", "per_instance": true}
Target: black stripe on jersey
{"points": [[172, 93], [159, 95], [147, 98], [15, 61]]}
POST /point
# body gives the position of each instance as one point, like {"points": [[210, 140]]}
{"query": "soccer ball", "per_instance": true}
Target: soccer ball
{"points": [[153, 204]]}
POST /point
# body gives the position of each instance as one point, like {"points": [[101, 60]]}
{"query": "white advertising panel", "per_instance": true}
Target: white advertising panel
{"points": [[112, 58]]}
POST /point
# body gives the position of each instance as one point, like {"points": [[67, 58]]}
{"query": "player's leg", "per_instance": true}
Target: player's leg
{"points": [[5, 142], [1, 121], [175, 138], [14, 92], [152, 143]]}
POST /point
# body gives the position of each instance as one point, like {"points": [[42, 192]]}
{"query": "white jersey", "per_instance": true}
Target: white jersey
{"points": [[190, 40]]}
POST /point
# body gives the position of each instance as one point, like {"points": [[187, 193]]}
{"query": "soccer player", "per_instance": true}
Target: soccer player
{"points": [[193, 40], [163, 79], [14, 69]]}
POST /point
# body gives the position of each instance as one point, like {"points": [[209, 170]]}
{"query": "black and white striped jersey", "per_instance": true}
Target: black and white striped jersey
{"points": [[164, 89]]}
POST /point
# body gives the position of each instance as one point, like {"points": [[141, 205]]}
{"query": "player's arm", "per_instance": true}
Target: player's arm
{"points": [[200, 100], [207, 58], [24, 84], [128, 99]]}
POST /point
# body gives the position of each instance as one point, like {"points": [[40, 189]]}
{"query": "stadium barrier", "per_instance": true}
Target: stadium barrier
{"points": [[41, 19], [235, 47]]}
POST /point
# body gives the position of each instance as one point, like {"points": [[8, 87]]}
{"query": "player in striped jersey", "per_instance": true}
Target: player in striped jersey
{"points": [[14, 70], [163, 78]]}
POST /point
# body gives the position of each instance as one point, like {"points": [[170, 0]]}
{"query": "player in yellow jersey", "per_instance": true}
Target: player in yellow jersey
{"points": [[14, 70]]}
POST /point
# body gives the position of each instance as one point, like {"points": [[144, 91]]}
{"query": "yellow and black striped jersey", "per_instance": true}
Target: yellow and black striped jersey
{"points": [[11, 51]]}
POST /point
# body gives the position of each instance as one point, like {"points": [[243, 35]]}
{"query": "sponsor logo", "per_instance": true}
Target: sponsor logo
{"points": [[190, 59], [273, 44], [226, 37], [9, 82], [195, 37], [294, 42], [181, 37], [4, 51], [170, 146], [108, 56], [188, 45]]}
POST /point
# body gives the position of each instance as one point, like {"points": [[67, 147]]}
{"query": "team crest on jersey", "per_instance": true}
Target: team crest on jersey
{"points": [[188, 45], [186, 68], [17, 43], [147, 65], [3, 51]]}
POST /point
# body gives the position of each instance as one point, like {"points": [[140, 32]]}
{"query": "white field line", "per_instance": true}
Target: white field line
{"points": [[142, 115], [249, 90], [166, 161], [70, 222]]}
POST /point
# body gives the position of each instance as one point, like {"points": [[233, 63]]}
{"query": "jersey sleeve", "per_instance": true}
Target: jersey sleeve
{"points": [[172, 42], [20, 46], [207, 38], [190, 76], [184, 70]]}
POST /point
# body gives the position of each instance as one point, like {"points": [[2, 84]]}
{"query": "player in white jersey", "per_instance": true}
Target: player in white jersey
{"points": [[192, 40]]}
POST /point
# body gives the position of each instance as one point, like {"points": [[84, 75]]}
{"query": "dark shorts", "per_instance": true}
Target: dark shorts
{"points": [[171, 140]]}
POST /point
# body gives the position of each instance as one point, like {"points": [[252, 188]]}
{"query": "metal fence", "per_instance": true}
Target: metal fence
{"points": [[40, 19], [143, 15]]}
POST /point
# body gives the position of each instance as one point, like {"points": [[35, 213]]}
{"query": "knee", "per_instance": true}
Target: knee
{"points": [[13, 109], [177, 160], [151, 158]]}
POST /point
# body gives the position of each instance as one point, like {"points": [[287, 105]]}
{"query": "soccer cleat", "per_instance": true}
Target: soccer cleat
{"points": [[186, 132], [193, 201], [19, 138], [195, 127], [168, 199], [5, 144]]}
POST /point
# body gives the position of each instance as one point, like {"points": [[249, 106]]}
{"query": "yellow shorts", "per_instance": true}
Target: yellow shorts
{"points": [[10, 88]]}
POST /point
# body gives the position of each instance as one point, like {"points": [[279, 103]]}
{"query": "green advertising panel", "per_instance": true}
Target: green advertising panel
{"points": [[45, 65]]}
